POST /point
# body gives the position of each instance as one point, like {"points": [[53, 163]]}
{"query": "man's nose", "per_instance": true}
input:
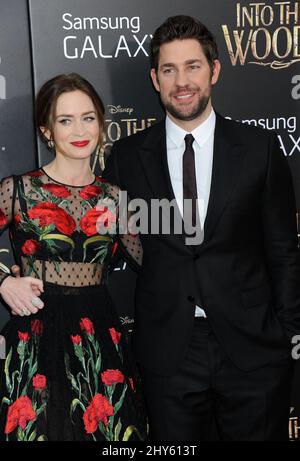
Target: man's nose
{"points": [[181, 78]]}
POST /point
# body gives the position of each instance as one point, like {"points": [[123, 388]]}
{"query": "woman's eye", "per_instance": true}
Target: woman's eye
{"points": [[89, 119], [64, 121]]}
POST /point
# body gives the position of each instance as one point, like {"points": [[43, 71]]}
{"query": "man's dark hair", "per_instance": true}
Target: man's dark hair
{"points": [[180, 28]]}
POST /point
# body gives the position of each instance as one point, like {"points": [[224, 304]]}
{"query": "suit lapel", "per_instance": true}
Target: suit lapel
{"points": [[155, 164], [227, 159], [153, 156]]}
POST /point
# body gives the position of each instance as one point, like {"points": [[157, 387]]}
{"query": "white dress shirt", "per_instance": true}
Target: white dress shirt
{"points": [[203, 146]]}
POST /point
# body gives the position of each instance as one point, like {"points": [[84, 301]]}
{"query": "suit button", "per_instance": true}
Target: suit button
{"points": [[191, 299], [195, 257]]}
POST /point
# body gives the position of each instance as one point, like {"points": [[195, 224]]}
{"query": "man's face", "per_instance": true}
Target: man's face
{"points": [[184, 80]]}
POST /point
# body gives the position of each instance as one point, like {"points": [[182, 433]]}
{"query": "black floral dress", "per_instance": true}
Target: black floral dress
{"points": [[67, 374]]}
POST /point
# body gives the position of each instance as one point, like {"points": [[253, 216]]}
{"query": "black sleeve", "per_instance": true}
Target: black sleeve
{"points": [[280, 238], [111, 171], [7, 196]]}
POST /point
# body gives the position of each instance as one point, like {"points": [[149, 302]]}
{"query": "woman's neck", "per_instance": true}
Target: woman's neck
{"points": [[75, 173]]}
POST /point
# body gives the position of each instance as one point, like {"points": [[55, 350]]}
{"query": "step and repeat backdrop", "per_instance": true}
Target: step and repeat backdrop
{"points": [[108, 43]]}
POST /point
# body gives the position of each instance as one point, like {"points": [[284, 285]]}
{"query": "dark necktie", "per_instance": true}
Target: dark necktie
{"points": [[189, 178]]}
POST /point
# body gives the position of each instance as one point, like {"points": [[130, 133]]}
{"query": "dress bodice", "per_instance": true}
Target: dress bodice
{"points": [[61, 233]]}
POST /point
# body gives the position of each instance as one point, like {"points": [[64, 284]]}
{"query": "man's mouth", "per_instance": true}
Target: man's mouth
{"points": [[184, 97]]}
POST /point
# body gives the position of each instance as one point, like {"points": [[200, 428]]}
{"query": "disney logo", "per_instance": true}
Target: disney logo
{"points": [[119, 109]]}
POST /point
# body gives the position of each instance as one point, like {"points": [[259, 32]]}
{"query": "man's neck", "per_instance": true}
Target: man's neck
{"points": [[190, 125]]}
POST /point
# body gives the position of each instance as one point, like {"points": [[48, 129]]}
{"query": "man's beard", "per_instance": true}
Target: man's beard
{"points": [[192, 114]]}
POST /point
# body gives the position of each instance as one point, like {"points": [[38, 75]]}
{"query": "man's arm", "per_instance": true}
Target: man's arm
{"points": [[280, 238]]}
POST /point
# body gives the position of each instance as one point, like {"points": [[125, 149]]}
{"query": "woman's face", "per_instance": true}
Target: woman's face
{"points": [[76, 126]]}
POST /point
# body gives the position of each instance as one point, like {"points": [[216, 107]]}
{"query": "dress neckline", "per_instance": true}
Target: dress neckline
{"points": [[68, 185]]}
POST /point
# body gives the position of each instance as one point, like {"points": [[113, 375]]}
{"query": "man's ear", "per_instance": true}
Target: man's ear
{"points": [[154, 79], [216, 72]]}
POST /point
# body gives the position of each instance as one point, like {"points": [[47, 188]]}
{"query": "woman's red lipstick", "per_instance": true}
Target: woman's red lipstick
{"points": [[80, 143]]}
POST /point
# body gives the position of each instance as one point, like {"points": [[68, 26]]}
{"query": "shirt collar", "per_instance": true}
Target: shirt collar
{"points": [[201, 133]]}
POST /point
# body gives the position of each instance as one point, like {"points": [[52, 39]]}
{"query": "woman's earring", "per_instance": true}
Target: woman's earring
{"points": [[51, 144]]}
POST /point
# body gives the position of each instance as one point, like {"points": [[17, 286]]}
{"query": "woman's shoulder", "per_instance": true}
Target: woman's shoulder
{"points": [[16, 177], [33, 173], [27, 174], [25, 178]]}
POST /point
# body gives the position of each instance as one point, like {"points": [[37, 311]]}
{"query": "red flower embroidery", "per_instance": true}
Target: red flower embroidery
{"points": [[23, 337], [76, 340], [105, 221], [98, 410], [96, 219], [57, 190], [35, 174], [110, 377], [3, 219], [39, 382], [18, 219], [30, 247], [50, 213], [19, 414], [87, 326], [115, 335], [64, 223], [36, 327], [45, 212], [90, 192], [114, 248], [131, 383], [99, 179]]}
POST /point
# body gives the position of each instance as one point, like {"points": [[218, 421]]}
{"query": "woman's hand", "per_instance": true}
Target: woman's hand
{"points": [[22, 294]]}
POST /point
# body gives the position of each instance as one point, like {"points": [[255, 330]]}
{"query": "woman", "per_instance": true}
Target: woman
{"points": [[67, 375]]}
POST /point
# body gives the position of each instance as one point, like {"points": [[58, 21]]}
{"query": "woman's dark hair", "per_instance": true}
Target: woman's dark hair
{"points": [[46, 100], [180, 28]]}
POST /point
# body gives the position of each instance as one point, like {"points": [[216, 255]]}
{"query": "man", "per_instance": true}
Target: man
{"points": [[213, 321]]}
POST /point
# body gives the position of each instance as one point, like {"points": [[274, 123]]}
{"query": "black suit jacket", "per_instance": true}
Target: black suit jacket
{"points": [[245, 274]]}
